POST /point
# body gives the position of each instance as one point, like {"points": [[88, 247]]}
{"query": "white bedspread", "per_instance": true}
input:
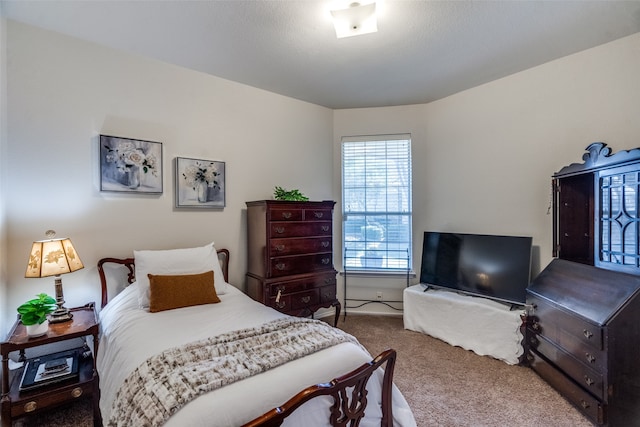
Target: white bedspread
{"points": [[130, 335]]}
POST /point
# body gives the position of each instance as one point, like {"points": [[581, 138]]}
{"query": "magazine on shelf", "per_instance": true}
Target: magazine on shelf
{"points": [[50, 368]]}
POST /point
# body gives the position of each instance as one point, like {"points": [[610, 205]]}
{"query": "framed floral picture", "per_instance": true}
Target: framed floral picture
{"points": [[200, 183], [130, 165]]}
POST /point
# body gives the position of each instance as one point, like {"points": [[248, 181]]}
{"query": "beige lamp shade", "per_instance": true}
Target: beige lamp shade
{"points": [[52, 258]]}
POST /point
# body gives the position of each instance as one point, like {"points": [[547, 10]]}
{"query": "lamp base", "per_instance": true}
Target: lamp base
{"points": [[60, 315]]}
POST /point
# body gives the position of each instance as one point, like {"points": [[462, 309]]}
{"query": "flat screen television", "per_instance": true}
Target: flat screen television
{"points": [[497, 267]]}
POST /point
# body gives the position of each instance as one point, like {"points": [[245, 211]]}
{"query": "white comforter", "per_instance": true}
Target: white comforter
{"points": [[130, 335]]}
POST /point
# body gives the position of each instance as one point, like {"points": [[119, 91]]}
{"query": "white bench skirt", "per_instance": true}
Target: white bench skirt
{"points": [[484, 326]]}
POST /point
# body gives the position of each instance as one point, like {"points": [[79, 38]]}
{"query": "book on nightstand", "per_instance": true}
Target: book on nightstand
{"points": [[49, 369]]}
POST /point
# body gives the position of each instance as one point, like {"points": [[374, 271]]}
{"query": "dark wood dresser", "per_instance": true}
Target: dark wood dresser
{"points": [[583, 337], [583, 326], [290, 265]]}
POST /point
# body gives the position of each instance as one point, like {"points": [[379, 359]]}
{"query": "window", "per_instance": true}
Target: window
{"points": [[376, 195]]}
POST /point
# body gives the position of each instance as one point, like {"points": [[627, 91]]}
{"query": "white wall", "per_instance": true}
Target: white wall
{"points": [[483, 158], [3, 138], [63, 93]]}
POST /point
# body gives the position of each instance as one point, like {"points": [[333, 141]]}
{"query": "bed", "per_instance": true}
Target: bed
{"points": [[139, 346]]}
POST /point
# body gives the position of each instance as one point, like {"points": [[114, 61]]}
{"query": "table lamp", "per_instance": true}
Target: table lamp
{"points": [[54, 257]]}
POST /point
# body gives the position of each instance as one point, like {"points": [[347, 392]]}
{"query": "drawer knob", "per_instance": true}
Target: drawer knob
{"points": [[535, 326], [588, 380], [281, 304], [325, 228], [280, 266], [590, 358], [30, 406], [286, 215], [326, 261], [318, 214], [325, 244], [587, 334], [305, 299], [584, 404], [279, 248], [279, 230], [76, 392], [328, 281]]}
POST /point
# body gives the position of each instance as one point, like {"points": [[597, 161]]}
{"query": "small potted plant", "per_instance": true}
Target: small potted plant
{"points": [[280, 193], [33, 314]]}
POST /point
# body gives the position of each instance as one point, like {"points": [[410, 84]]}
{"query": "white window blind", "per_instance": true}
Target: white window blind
{"points": [[376, 195]]}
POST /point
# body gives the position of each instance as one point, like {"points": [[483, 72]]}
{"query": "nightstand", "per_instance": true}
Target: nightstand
{"points": [[16, 403]]}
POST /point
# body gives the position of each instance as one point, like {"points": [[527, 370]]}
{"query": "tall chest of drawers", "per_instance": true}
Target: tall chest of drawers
{"points": [[290, 256], [583, 337]]}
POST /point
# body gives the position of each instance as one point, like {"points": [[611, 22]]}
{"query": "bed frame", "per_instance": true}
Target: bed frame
{"points": [[349, 396], [223, 259], [348, 391]]}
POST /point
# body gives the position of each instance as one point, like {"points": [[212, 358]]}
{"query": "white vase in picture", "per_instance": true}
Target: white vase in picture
{"points": [[38, 329], [201, 191]]}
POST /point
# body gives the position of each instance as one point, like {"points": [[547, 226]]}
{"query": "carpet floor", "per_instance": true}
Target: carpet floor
{"points": [[444, 385], [448, 386]]}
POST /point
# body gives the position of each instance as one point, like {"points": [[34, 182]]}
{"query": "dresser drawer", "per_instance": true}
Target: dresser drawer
{"points": [[584, 353], [299, 229], [296, 301], [318, 214], [295, 246], [582, 374], [590, 406], [292, 286], [304, 299], [563, 327], [286, 266], [48, 399], [298, 294], [328, 293], [287, 214]]}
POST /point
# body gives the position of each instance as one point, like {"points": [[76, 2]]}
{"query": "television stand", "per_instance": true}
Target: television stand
{"points": [[484, 326]]}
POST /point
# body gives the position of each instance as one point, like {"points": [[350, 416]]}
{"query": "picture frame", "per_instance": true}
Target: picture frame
{"points": [[200, 184], [130, 165]]}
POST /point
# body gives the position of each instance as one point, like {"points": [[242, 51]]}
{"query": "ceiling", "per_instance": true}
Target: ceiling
{"points": [[423, 50]]}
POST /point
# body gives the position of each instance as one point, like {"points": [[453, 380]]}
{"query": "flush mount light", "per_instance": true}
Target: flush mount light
{"points": [[355, 20]]}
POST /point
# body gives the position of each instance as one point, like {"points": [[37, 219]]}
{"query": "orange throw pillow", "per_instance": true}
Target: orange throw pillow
{"points": [[169, 292]]}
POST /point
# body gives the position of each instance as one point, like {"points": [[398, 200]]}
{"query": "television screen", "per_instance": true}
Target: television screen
{"points": [[497, 267]]}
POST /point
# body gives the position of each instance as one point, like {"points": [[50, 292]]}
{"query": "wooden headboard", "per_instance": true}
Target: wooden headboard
{"points": [[223, 258]]}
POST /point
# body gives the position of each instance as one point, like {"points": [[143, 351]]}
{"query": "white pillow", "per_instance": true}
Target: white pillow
{"points": [[176, 261]]}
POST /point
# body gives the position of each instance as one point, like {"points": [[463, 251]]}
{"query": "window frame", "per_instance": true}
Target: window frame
{"points": [[357, 254]]}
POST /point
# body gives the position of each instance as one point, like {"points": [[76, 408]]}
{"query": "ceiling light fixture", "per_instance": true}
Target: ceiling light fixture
{"points": [[355, 20]]}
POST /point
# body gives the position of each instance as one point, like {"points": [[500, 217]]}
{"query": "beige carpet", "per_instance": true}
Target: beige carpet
{"points": [[444, 385], [449, 386]]}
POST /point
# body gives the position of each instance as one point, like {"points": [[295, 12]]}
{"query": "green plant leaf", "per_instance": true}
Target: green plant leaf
{"points": [[292, 195], [35, 310]]}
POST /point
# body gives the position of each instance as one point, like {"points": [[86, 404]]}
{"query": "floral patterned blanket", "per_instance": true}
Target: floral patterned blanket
{"points": [[166, 382]]}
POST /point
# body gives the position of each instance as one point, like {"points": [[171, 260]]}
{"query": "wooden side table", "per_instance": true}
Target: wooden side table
{"points": [[16, 403]]}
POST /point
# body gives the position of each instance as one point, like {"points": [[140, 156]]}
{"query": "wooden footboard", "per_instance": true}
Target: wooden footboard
{"points": [[349, 396]]}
